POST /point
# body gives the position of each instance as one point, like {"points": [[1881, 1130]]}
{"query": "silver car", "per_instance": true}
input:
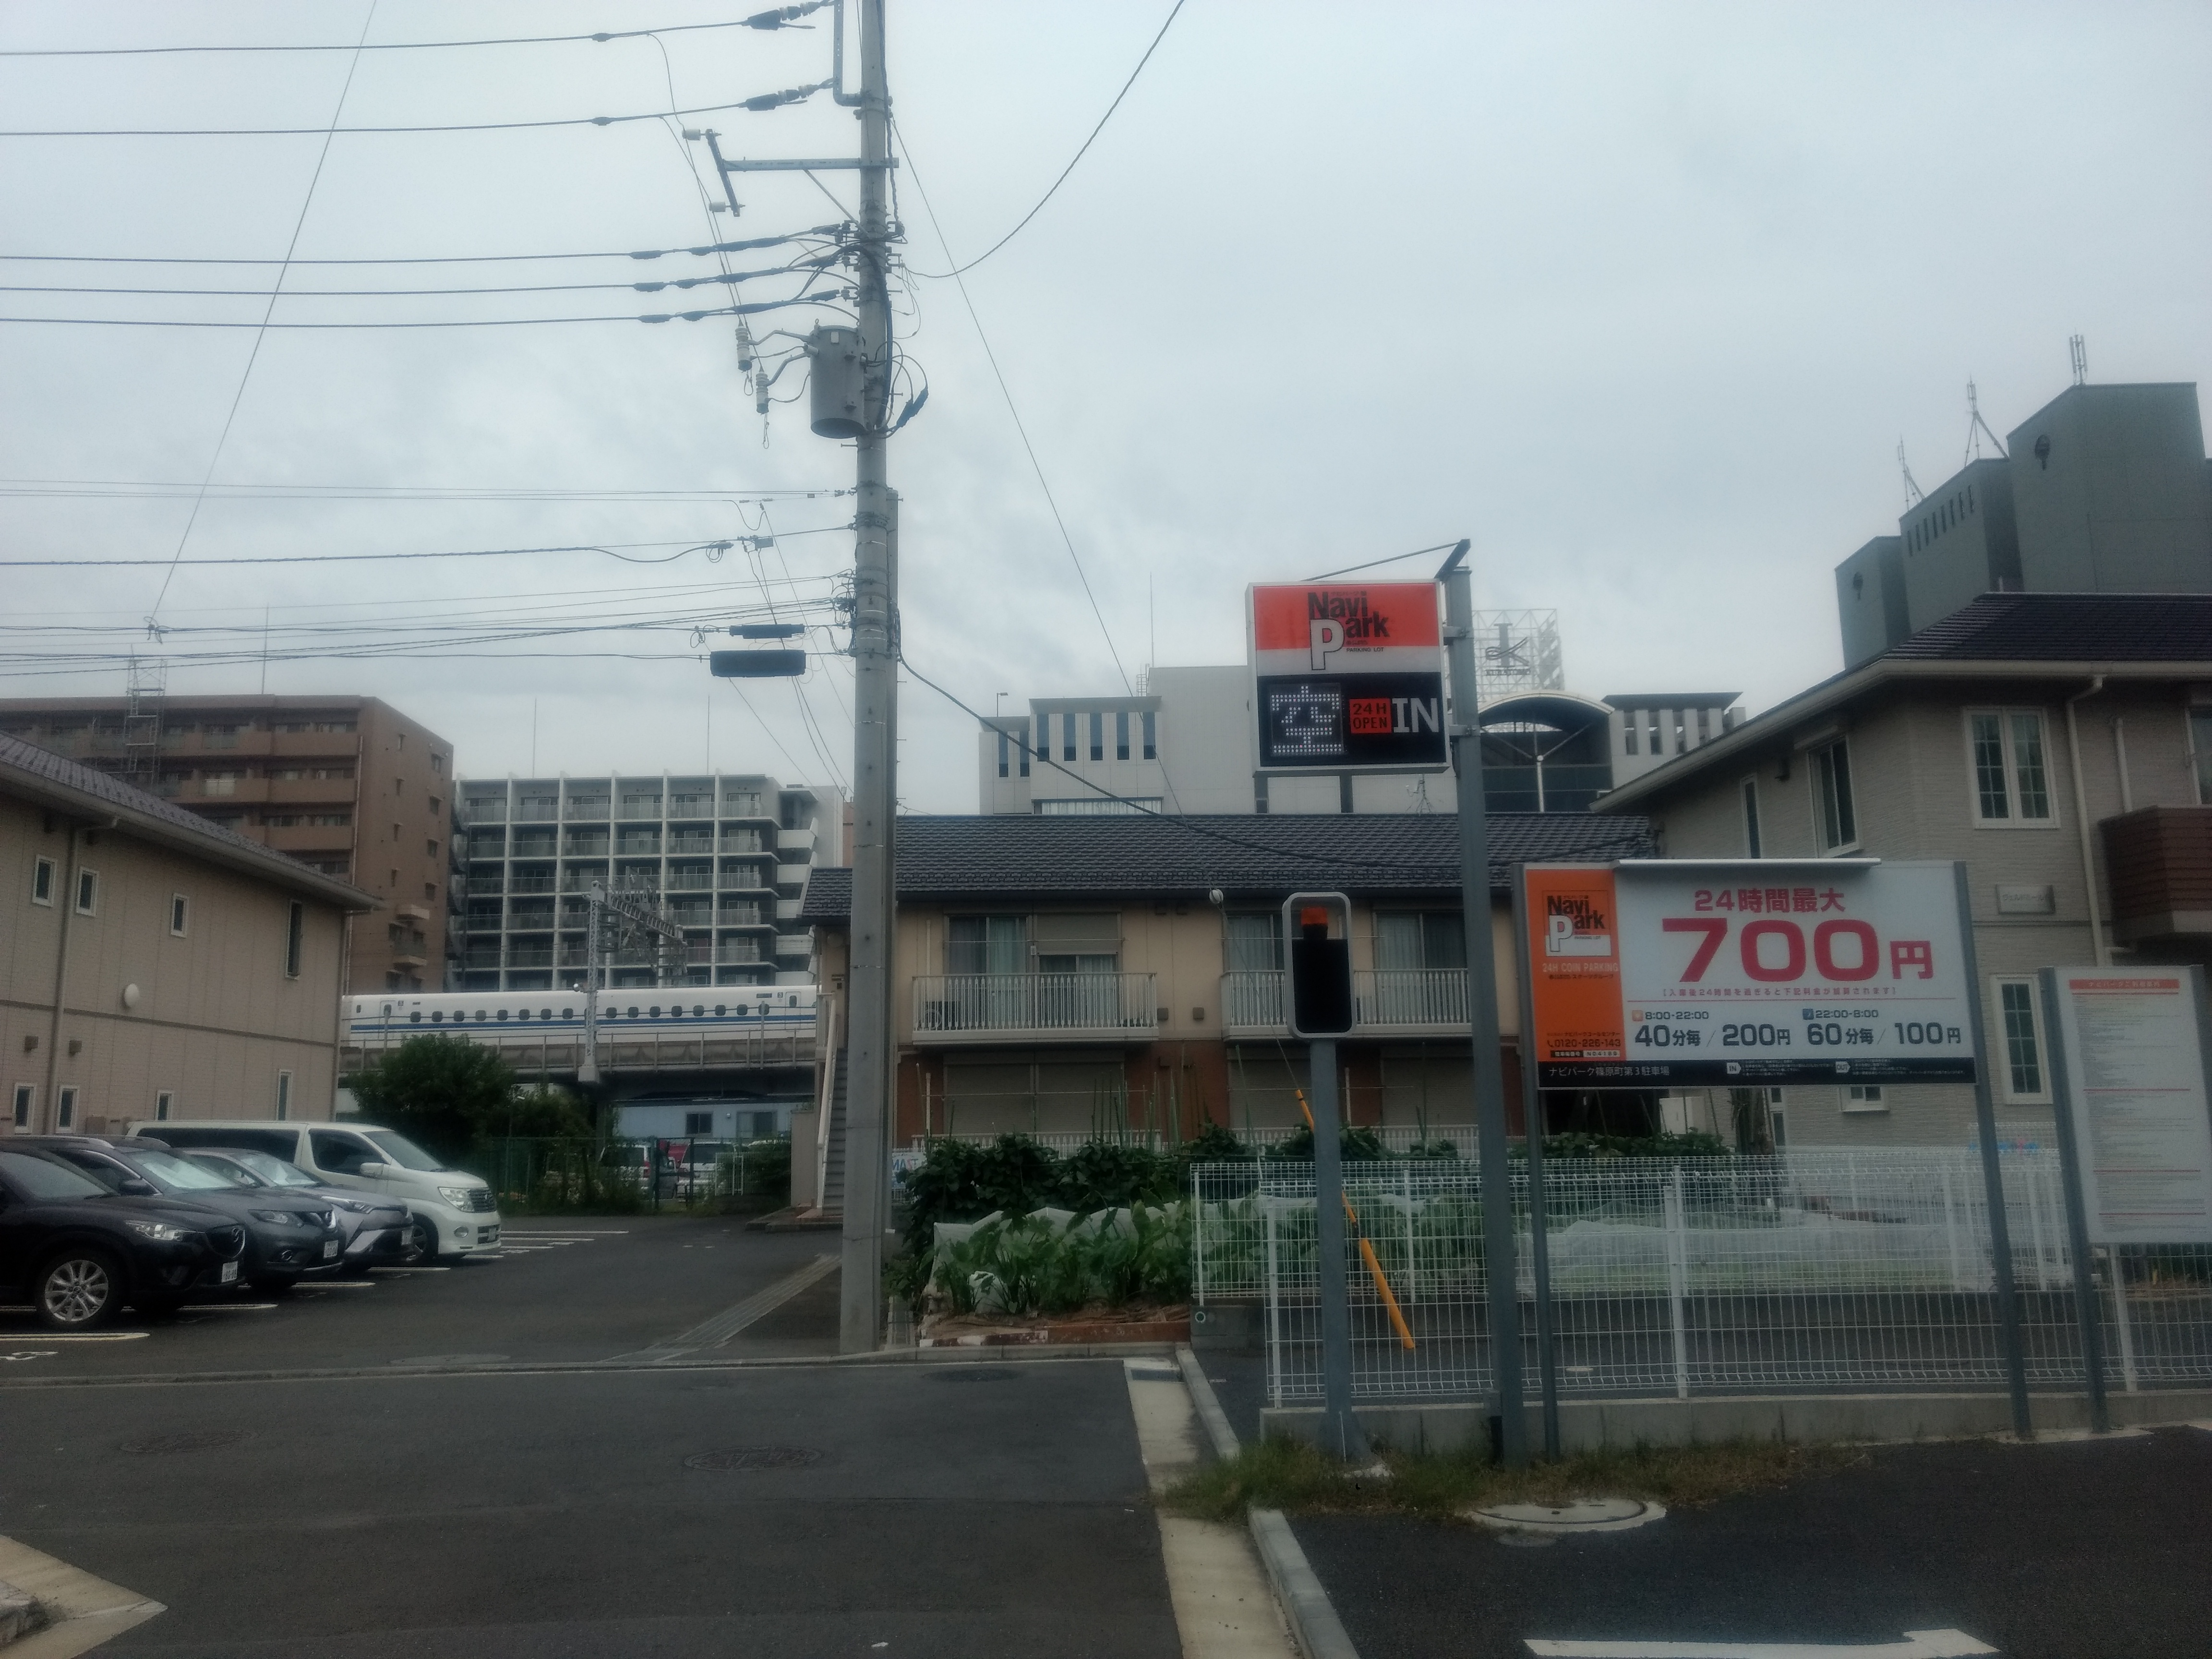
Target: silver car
{"points": [[376, 1230]]}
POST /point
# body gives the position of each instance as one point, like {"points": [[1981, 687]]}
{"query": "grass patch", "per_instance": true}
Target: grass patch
{"points": [[1295, 1476]]}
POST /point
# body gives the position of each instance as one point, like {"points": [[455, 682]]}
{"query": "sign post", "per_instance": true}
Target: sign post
{"points": [[1659, 973], [2128, 1048], [1318, 928]]}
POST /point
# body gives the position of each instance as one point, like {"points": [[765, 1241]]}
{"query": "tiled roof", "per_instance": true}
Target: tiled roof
{"points": [[2068, 628], [1247, 857], [93, 785]]}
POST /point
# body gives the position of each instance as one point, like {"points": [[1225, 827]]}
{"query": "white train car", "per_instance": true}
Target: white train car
{"points": [[627, 1014]]}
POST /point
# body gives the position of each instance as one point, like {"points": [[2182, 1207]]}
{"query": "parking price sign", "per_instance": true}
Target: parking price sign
{"points": [[1665, 974]]}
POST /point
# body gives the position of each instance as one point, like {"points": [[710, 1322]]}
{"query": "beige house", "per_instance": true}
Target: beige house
{"points": [[2060, 744], [155, 965], [1058, 976]]}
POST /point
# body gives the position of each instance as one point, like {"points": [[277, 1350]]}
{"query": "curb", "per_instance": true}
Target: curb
{"points": [[1305, 1606], [19, 1614]]}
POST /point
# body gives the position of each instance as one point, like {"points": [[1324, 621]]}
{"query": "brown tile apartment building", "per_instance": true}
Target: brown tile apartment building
{"points": [[347, 786]]}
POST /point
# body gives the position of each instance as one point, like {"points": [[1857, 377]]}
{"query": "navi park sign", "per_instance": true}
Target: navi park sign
{"points": [[1663, 974], [1348, 676]]}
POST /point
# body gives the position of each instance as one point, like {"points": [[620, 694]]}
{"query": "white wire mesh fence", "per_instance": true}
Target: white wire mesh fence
{"points": [[1837, 1271]]}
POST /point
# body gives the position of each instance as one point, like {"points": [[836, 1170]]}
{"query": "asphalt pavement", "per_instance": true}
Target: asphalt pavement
{"points": [[306, 1495]]}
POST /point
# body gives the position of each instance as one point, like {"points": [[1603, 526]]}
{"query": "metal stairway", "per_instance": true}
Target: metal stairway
{"points": [[833, 1156]]}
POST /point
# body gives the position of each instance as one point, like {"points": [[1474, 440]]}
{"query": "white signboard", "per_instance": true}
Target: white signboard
{"points": [[2133, 1079], [1666, 973]]}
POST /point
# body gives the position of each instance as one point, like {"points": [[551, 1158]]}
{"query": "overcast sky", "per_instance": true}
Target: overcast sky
{"points": [[1640, 298]]}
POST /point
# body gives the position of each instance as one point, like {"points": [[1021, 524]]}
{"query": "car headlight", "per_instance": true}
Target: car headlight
{"points": [[276, 1217], [163, 1232], [353, 1206], [459, 1197]]}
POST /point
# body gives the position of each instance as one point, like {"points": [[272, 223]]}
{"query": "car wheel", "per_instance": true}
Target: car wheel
{"points": [[421, 1248], [78, 1289]]}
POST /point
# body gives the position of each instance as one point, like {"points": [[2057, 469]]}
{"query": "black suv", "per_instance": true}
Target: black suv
{"points": [[285, 1238], [79, 1252]]}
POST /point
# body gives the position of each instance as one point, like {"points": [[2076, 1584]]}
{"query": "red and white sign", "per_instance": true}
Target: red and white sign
{"points": [[1346, 628], [1348, 675], [1660, 974]]}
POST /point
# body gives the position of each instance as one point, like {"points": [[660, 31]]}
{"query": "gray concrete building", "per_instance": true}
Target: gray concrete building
{"points": [[727, 853], [2104, 490]]}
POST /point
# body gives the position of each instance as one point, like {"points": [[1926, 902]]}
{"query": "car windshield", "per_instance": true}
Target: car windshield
{"points": [[43, 1177], [229, 1168], [398, 1149], [274, 1171], [167, 1169]]}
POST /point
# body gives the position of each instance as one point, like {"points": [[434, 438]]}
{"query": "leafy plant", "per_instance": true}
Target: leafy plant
{"points": [[445, 1094], [1356, 1144], [1576, 1145]]}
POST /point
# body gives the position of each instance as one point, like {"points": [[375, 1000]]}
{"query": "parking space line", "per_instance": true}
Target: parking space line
{"points": [[713, 1333], [1917, 1645], [343, 1285], [92, 1336], [228, 1307], [411, 1270]]}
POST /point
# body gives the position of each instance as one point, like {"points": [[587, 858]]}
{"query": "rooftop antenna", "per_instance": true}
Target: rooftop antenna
{"points": [[2079, 350], [1913, 496], [1977, 427]]}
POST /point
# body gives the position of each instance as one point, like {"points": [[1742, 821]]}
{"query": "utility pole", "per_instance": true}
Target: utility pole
{"points": [[1500, 1266], [875, 694]]}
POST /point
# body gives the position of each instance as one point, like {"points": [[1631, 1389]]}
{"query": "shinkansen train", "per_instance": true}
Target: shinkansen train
{"points": [[627, 1014]]}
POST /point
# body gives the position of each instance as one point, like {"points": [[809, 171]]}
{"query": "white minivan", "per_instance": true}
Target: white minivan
{"points": [[452, 1214]]}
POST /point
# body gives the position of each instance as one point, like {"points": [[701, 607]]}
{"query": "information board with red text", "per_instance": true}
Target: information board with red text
{"points": [[1672, 974]]}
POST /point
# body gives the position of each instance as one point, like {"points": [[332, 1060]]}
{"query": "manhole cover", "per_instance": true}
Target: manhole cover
{"points": [[200, 1440], [452, 1359], [735, 1458], [1582, 1515], [978, 1374]]}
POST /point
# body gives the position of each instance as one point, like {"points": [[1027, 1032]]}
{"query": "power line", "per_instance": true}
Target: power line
{"points": [[743, 246], [938, 275], [610, 549], [711, 279], [1005, 391], [777, 18], [766, 101], [748, 310], [161, 489], [268, 310], [1395, 558]]}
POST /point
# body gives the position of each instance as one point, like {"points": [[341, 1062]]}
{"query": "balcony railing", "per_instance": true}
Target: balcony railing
{"points": [[683, 808], [536, 812], [529, 956], [640, 809], [530, 883], [584, 808], [1388, 1002], [689, 881], [1027, 1007]]}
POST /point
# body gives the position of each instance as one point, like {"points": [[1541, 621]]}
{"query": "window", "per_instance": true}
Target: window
{"points": [[430, 848], [1628, 732], [1121, 734], [65, 1106], [986, 945], [339, 1154], [1099, 735], [438, 766], [698, 1123], [330, 820], [1254, 942], [1863, 1097], [1751, 844], [294, 931], [1832, 811], [283, 1096], [2021, 1033], [2011, 783], [2200, 751], [1068, 735], [1152, 735], [1410, 941], [26, 1094], [1002, 751], [763, 1126], [161, 1104], [88, 892], [42, 882]]}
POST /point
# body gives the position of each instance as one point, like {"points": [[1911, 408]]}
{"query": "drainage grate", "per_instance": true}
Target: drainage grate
{"points": [[978, 1374], [199, 1440], [734, 1459]]}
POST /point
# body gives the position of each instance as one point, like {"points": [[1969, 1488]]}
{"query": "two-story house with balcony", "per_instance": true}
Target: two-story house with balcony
{"points": [[2060, 744], [1062, 974]]}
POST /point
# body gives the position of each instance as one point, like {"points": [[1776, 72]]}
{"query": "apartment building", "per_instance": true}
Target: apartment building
{"points": [[155, 964], [1062, 973], [2060, 744], [728, 853], [348, 786]]}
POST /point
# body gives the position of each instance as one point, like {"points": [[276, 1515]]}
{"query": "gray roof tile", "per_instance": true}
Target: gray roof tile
{"points": [[2068, 628]]}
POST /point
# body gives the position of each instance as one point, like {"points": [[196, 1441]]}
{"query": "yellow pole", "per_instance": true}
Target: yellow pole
{"points": [[1367, 1254]]}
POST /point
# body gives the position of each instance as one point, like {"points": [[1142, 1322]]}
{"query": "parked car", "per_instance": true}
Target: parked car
{"points": [[452, 1214], [376, 1229], [80, 1252], [286, 1239]]}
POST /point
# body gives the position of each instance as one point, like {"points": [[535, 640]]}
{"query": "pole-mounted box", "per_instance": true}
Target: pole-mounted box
{"points": [[1318, 928], [837, 383]]}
